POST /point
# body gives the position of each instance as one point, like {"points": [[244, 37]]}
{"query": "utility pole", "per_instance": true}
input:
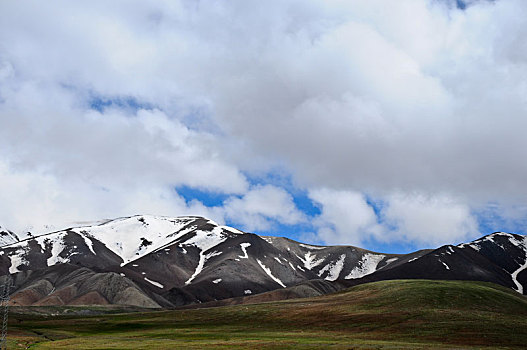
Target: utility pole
{"points": [[4, 305]]}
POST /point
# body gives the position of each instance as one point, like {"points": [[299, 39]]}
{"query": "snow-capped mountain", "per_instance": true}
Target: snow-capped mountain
{"points": [[158, 261], [500, 258]]}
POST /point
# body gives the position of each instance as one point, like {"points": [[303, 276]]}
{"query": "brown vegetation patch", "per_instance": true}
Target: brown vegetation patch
{"points": [[91, 298]]}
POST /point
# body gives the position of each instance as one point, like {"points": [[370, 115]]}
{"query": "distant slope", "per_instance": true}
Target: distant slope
{"points": [[410, 314], [499, 258]]}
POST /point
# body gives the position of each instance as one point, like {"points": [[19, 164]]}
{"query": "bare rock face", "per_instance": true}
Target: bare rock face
{"points": [[67, 284], [152, 262]]}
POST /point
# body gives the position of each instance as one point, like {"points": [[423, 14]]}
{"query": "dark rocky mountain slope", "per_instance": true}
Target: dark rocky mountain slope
{"points": [[152, 261]]}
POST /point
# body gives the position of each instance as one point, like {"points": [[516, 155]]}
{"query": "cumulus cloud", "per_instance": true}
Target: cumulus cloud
{"points": [[262, 205], [348, 217], [428, 219], [376, 112], [345, 217], [387, 98], [40, 202]]}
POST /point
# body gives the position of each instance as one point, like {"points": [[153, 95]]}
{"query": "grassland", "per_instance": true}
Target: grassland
{"points": [[415, 314]]}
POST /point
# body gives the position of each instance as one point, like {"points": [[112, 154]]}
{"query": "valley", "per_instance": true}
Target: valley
{"points": [[404, 314]]}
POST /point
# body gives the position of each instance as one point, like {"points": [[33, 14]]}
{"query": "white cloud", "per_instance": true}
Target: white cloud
{"points": [[39, 202], [115, 146], [411, 112], [262, 205], [346, 217], [431, 220], [351, 96]]}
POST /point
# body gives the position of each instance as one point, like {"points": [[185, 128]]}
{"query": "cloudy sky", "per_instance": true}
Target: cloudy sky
{"points": [[392, 125]]}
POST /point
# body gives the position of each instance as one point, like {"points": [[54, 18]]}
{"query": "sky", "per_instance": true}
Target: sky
{"points": [[390, 125]]}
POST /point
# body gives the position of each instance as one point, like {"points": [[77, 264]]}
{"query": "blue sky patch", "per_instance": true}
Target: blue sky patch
{"points": [[100, 104], [490, 220], [208, 198]]}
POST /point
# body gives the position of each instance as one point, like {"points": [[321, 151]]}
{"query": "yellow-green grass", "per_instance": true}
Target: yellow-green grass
{"points": [[408, 314]]}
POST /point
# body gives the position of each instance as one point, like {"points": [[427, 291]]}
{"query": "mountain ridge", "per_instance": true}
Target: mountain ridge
{"points": [[160, 261]]}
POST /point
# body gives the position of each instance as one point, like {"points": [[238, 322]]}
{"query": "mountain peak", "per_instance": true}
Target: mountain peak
{"points": [[499, 239], [135, 236]]}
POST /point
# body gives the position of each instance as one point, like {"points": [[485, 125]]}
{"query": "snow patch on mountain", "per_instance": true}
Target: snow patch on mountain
{"points": [[202, 260], [310, 260], [269, 273], [41, 240], [311, 246], [126, 236], [516, 242], [88, 242], [391, 260], [368, 264], [205, 240], [57, 244], [514, 275], [477, 244], [244, 247], [475, 247], [157, 284], [231, 229], [333, 269], [17, 260]]}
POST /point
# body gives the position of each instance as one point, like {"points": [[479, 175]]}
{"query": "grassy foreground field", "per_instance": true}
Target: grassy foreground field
{"points": [[409, 314]]}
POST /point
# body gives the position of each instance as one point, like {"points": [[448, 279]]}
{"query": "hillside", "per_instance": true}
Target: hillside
{"points": [[409, 314]]}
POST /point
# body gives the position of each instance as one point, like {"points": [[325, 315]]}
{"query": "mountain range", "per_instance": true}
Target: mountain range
{"points": [[163, 262]]}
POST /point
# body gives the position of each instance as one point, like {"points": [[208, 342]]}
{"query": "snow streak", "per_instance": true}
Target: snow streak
{"points": [[16, 261], [310, 260], [514, 275], [368, 264], [202, 260], [157, 284], [244, 247], [268, 272], [311, 246], [333, 269]]}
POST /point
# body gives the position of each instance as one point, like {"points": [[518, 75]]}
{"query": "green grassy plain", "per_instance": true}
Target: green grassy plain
{"points": [[408, 314]]}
